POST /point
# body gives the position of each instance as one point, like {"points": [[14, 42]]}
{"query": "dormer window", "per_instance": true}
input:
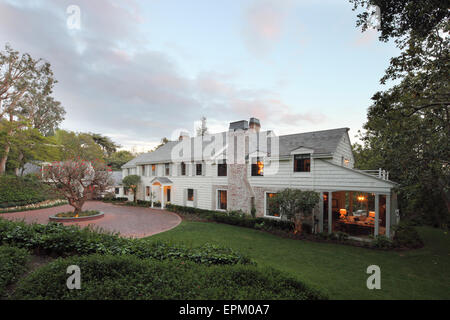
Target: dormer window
{"points": [[257, 167], [302, 163]]}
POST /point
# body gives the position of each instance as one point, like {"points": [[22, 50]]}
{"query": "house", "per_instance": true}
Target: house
{"points": [[242, 168]]}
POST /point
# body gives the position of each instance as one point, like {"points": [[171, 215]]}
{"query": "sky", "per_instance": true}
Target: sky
{"points": [[138, 71]]}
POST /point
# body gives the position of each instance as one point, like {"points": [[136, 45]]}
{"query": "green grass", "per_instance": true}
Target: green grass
{"points": [[337, 270]]}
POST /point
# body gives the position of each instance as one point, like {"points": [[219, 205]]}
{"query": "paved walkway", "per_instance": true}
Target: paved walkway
{"points": [[129, 221]]}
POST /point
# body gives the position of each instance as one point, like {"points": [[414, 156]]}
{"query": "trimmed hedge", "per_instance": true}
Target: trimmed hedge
{"points": [[235, 218], [12, 264], [57, 239], [130, 278], [21, 191]]}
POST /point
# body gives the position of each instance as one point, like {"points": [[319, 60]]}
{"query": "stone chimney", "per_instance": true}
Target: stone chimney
{"points": [[254, 125]]}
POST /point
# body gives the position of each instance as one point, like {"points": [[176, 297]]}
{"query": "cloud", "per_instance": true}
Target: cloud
{"points": [[263, 25], [110, 82]]}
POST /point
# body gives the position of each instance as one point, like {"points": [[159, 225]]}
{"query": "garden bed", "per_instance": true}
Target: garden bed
{"points": [[82, 216]]}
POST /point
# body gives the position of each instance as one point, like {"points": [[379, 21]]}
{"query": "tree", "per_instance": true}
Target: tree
{"points": [[203, 129], [295, 205], [25, 84], [78, 180], [163, 142], [132, 182], [77, 145], [408, 124], [107, 145], [119, 158]]}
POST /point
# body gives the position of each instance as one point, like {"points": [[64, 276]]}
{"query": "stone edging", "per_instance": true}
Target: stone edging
{"points": [[73, 219]]}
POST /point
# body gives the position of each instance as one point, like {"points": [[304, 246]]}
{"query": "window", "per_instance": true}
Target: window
{"points": [[222, 169], [117, 190], [183, 168], [199, 168], [147, 191], [125, 191], [167, 169], [271, 209], [302, 163], [143, 170], [222, 199], [257, 167], [153, 169], [190, 194]]}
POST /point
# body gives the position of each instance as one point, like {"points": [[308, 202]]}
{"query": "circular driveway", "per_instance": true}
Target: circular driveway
{"points": [[128, 221]]}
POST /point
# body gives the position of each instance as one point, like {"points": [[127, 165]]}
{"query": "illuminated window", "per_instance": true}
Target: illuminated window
{"points": [[222, 199], [302, 163], [153, 169], [257, 167], [271, 209]]}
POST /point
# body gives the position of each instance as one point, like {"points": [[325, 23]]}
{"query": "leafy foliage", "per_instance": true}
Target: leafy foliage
{"points": [[12, 264], [132, 182], [20, 191], [130, 278], [408, 127], [295, 205], [57, 239], [406, 236]]}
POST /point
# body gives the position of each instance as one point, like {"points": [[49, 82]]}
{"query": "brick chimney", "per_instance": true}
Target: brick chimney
{"points": [[254, 125]]}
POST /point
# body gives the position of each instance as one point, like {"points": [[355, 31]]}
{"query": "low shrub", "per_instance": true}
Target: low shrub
{"points": [[236, 218], [57, 239], [71, 214], [405, 236], [12, 264], [131, 278], [382, 242], [20, 191]]}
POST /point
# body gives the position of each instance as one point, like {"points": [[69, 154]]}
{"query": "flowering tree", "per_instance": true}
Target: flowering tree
{"points": [[77, 180]]}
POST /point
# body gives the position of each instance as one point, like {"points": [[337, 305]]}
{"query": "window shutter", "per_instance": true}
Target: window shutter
{"points": [[203, 169], [184, 197], [195, 198]]}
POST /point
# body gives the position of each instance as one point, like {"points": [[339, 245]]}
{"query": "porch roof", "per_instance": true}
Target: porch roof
{"points": [[162, 180]]}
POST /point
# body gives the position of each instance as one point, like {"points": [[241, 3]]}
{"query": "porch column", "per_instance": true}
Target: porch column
{"points": [[388, 215], [162, 197], [151, 195], [377, 213], [330, 211], [321, 212]]}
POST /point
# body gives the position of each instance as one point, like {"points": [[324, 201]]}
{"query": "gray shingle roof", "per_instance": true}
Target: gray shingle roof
{"points": [[322, 142]]}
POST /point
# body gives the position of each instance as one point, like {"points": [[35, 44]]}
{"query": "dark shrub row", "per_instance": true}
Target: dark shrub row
{"points": [[60, 240], [12, 264], [130, 278], [21, 191], [235, 218]]}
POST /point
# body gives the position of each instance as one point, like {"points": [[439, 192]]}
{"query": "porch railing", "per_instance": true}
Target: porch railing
{"points": [[380, 173]]}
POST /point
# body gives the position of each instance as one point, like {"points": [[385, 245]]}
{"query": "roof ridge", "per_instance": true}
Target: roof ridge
{"points": [[294, 134]]}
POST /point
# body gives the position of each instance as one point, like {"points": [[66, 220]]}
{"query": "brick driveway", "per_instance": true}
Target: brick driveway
{"points": [[129, 221]]}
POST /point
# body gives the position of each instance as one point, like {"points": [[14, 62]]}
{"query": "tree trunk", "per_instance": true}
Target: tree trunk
{"points": [[4, 159], [78, 206], [19, 161]]}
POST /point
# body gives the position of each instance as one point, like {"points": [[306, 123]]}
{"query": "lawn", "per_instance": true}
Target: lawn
{"points": [[337, 270]]}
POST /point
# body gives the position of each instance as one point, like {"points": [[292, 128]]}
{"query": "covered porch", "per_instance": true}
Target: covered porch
{"points": [[159, 193], [359, 214]]}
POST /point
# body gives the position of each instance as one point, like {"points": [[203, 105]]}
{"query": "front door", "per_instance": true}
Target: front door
{"points": [[168, 194]]}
